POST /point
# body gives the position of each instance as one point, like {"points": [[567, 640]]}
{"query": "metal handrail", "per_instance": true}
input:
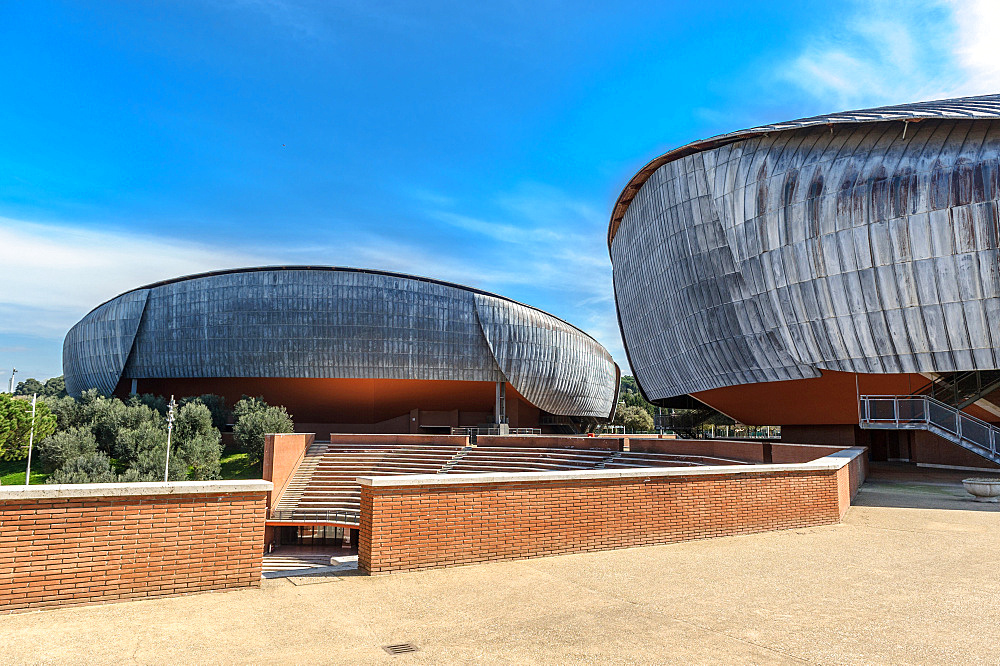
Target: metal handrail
{"points": [[317, 515], [957, 423]]}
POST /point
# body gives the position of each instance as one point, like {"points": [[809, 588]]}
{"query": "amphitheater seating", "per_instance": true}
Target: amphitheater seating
{"points": [[324, 488]]}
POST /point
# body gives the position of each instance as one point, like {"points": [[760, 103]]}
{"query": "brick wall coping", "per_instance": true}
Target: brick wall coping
{"points": [[831, 463], [68, 490]]}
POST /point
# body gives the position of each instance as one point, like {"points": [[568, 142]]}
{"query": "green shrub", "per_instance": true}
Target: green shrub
{"points": [[254, 419], [58, 449], [197, 442], [216, 405], [89, 468]]}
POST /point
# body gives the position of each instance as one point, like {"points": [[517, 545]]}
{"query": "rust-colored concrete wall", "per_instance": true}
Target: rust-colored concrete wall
{"points": [[553, 441], [74, 550], [835, 435], [829, 399], [435, 523], [354, 402], [282, 454], [750, 451]]}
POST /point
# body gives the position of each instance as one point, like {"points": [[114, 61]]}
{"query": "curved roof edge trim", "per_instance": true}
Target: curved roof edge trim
{"points": [[982, 107], [337, 269]]}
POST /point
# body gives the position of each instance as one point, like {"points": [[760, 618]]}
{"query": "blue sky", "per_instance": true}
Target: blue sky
{"points": [[482, 143]]}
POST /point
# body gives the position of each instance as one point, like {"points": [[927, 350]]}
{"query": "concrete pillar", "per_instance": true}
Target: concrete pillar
{"points": [[500, 410], [135, 387]]}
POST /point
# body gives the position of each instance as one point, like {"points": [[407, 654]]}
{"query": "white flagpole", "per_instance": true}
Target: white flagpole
{"points": [[31, 439]]}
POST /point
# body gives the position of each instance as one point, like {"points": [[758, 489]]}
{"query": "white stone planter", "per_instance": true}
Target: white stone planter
{"points": [[984, 490]]}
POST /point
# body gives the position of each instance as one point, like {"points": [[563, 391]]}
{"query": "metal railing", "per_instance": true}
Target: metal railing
{"points": [[495, 431], [317, 516], [961, 389], [922, 412]]}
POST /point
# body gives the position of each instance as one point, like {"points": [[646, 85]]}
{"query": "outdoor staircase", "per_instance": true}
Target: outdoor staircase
{"points": [[615, 455], [324, 488], [961, 389], [454, 460], [303, 476], [922, 412]]}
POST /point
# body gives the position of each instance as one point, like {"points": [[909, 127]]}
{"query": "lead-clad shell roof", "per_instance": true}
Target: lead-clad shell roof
{"points": [[327, 322], [971, 108], [870, 247]]}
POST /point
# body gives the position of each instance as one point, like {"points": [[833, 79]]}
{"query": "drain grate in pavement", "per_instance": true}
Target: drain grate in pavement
{"points": [[400, 648]]}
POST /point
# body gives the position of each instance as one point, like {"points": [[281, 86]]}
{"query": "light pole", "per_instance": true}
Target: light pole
{"points": [[13, 372], [31, 439], [170, 429]]}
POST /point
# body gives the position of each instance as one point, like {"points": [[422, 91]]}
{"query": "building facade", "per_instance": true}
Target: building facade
{"points": [[355, 350], [778, 272]]}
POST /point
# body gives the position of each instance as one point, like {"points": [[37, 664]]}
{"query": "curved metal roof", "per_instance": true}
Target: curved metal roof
{"points": [[335, 323], [960, 108], [344, 269]]}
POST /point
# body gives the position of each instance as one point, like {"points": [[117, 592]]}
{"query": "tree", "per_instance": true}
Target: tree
{"points": [[16, 425], [90, 468], [629, 394], [155, 402], [635, 419], [254, 419], [114, 423], [29, 387], [62, 447], [65, 409], [52, 388], [198, 443], [216, 405]]}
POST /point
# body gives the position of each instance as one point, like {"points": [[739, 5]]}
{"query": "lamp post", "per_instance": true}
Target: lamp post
{"points": [[170, 429], [31, 439]]}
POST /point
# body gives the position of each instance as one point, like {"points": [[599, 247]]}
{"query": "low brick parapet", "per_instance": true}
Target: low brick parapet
{"points": [[87, 543], [426, 521]]}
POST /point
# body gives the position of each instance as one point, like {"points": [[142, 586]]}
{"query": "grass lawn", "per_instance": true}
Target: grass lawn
{"points": [[12, 473], [234, 466]]}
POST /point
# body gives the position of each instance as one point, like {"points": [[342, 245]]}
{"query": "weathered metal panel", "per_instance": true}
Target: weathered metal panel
{"points": [[96, 349], [342, 323], [555, 366], [844, 247]]}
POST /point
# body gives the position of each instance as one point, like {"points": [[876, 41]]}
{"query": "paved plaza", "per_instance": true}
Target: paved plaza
{"points": [[909, 577]]}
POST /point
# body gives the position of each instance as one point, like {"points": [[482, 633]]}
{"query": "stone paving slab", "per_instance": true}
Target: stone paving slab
{"points": [[911, 581]]}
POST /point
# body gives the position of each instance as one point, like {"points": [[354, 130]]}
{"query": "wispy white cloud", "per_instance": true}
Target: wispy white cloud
{"points": [[54, 274], [892, 51], [548, 249]]}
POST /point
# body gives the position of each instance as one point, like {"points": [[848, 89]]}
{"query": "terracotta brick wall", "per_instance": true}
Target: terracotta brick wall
{"points": [[70, 550], [428, 522]]}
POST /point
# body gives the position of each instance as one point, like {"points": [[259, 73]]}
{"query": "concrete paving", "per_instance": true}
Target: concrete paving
{"points": [[910, 577]]}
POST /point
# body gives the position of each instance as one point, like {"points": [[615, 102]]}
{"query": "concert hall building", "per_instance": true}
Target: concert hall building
{"points": [[347, 350], [834, 275]]}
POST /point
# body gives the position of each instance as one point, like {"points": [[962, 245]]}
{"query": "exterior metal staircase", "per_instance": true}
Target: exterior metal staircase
{"points": [[922, 412], [961, 389]]}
